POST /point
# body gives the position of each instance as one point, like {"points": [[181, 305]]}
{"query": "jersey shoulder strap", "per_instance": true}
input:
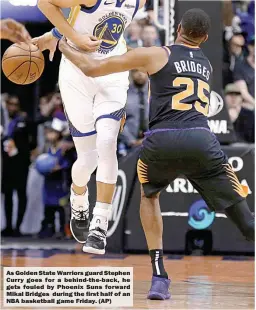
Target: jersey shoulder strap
{"points": [[167, 49], [130, 6]]}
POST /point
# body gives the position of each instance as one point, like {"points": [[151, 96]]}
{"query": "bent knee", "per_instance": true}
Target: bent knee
{"points": [[107, 146], [150, 197], [86, 158]]}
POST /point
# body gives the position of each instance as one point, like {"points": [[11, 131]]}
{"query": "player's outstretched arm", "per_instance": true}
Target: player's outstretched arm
{"points": [[150, 59], [13, 31], [52, 10]]}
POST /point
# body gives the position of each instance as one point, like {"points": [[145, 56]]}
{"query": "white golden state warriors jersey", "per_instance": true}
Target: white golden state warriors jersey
{"points": [[106, 20]]}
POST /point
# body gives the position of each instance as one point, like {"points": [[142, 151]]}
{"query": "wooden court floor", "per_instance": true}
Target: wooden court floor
{"points": [[197, 282]]}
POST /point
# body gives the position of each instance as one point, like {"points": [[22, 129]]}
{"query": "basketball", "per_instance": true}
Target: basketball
{"points": [[23, 63]]}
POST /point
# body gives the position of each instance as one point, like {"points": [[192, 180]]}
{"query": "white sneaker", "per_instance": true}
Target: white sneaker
{"points": [[79, 222]]}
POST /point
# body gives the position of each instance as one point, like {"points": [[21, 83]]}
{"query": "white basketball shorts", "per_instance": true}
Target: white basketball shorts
{"points": [[86, 99]]}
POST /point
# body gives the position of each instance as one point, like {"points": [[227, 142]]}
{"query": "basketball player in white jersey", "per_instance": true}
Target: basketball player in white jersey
{"points": [[94, 106]]}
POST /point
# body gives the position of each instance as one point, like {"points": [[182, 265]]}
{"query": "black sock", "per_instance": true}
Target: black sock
{"points": [[157, 263]]}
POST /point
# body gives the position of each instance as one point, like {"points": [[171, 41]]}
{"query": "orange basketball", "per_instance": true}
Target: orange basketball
{"points": [[23, 63]]}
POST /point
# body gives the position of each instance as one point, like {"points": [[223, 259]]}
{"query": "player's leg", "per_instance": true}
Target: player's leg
{"points": [[154, 176], [228, 200], [219, 186], [107, 133], [108, 114], [77, 93], [106, 177], [242, 217], [82, 170], [152, 223]]}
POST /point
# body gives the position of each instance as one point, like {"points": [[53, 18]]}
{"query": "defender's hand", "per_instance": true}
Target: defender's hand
{"points": [[86, 42], [14, 31], [46, 42], [63, 44]]}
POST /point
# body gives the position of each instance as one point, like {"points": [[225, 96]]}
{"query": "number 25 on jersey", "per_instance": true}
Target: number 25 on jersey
{"points": [[190, 90]]}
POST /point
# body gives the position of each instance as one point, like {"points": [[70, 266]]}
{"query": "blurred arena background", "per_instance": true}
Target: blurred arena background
{"points": [[35, 218]]}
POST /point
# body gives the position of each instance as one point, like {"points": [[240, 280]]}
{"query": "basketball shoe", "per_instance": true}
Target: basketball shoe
{"points": [[79, 222], [159, 289], [96, 241]]}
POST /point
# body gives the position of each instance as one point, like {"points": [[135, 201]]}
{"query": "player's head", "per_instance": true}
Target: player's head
{"points": [[194, 26]]}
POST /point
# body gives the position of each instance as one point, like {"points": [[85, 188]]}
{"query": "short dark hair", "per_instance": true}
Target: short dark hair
{"points": [[195, 23]]}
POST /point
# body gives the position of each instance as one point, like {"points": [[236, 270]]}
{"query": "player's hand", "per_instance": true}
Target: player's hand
{"points": [[14, 31], [46, 42], [86, 42], [62, 43]]}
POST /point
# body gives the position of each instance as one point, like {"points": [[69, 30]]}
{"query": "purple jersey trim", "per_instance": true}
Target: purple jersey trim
{"points": [[167, 51], [150, 132]]}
